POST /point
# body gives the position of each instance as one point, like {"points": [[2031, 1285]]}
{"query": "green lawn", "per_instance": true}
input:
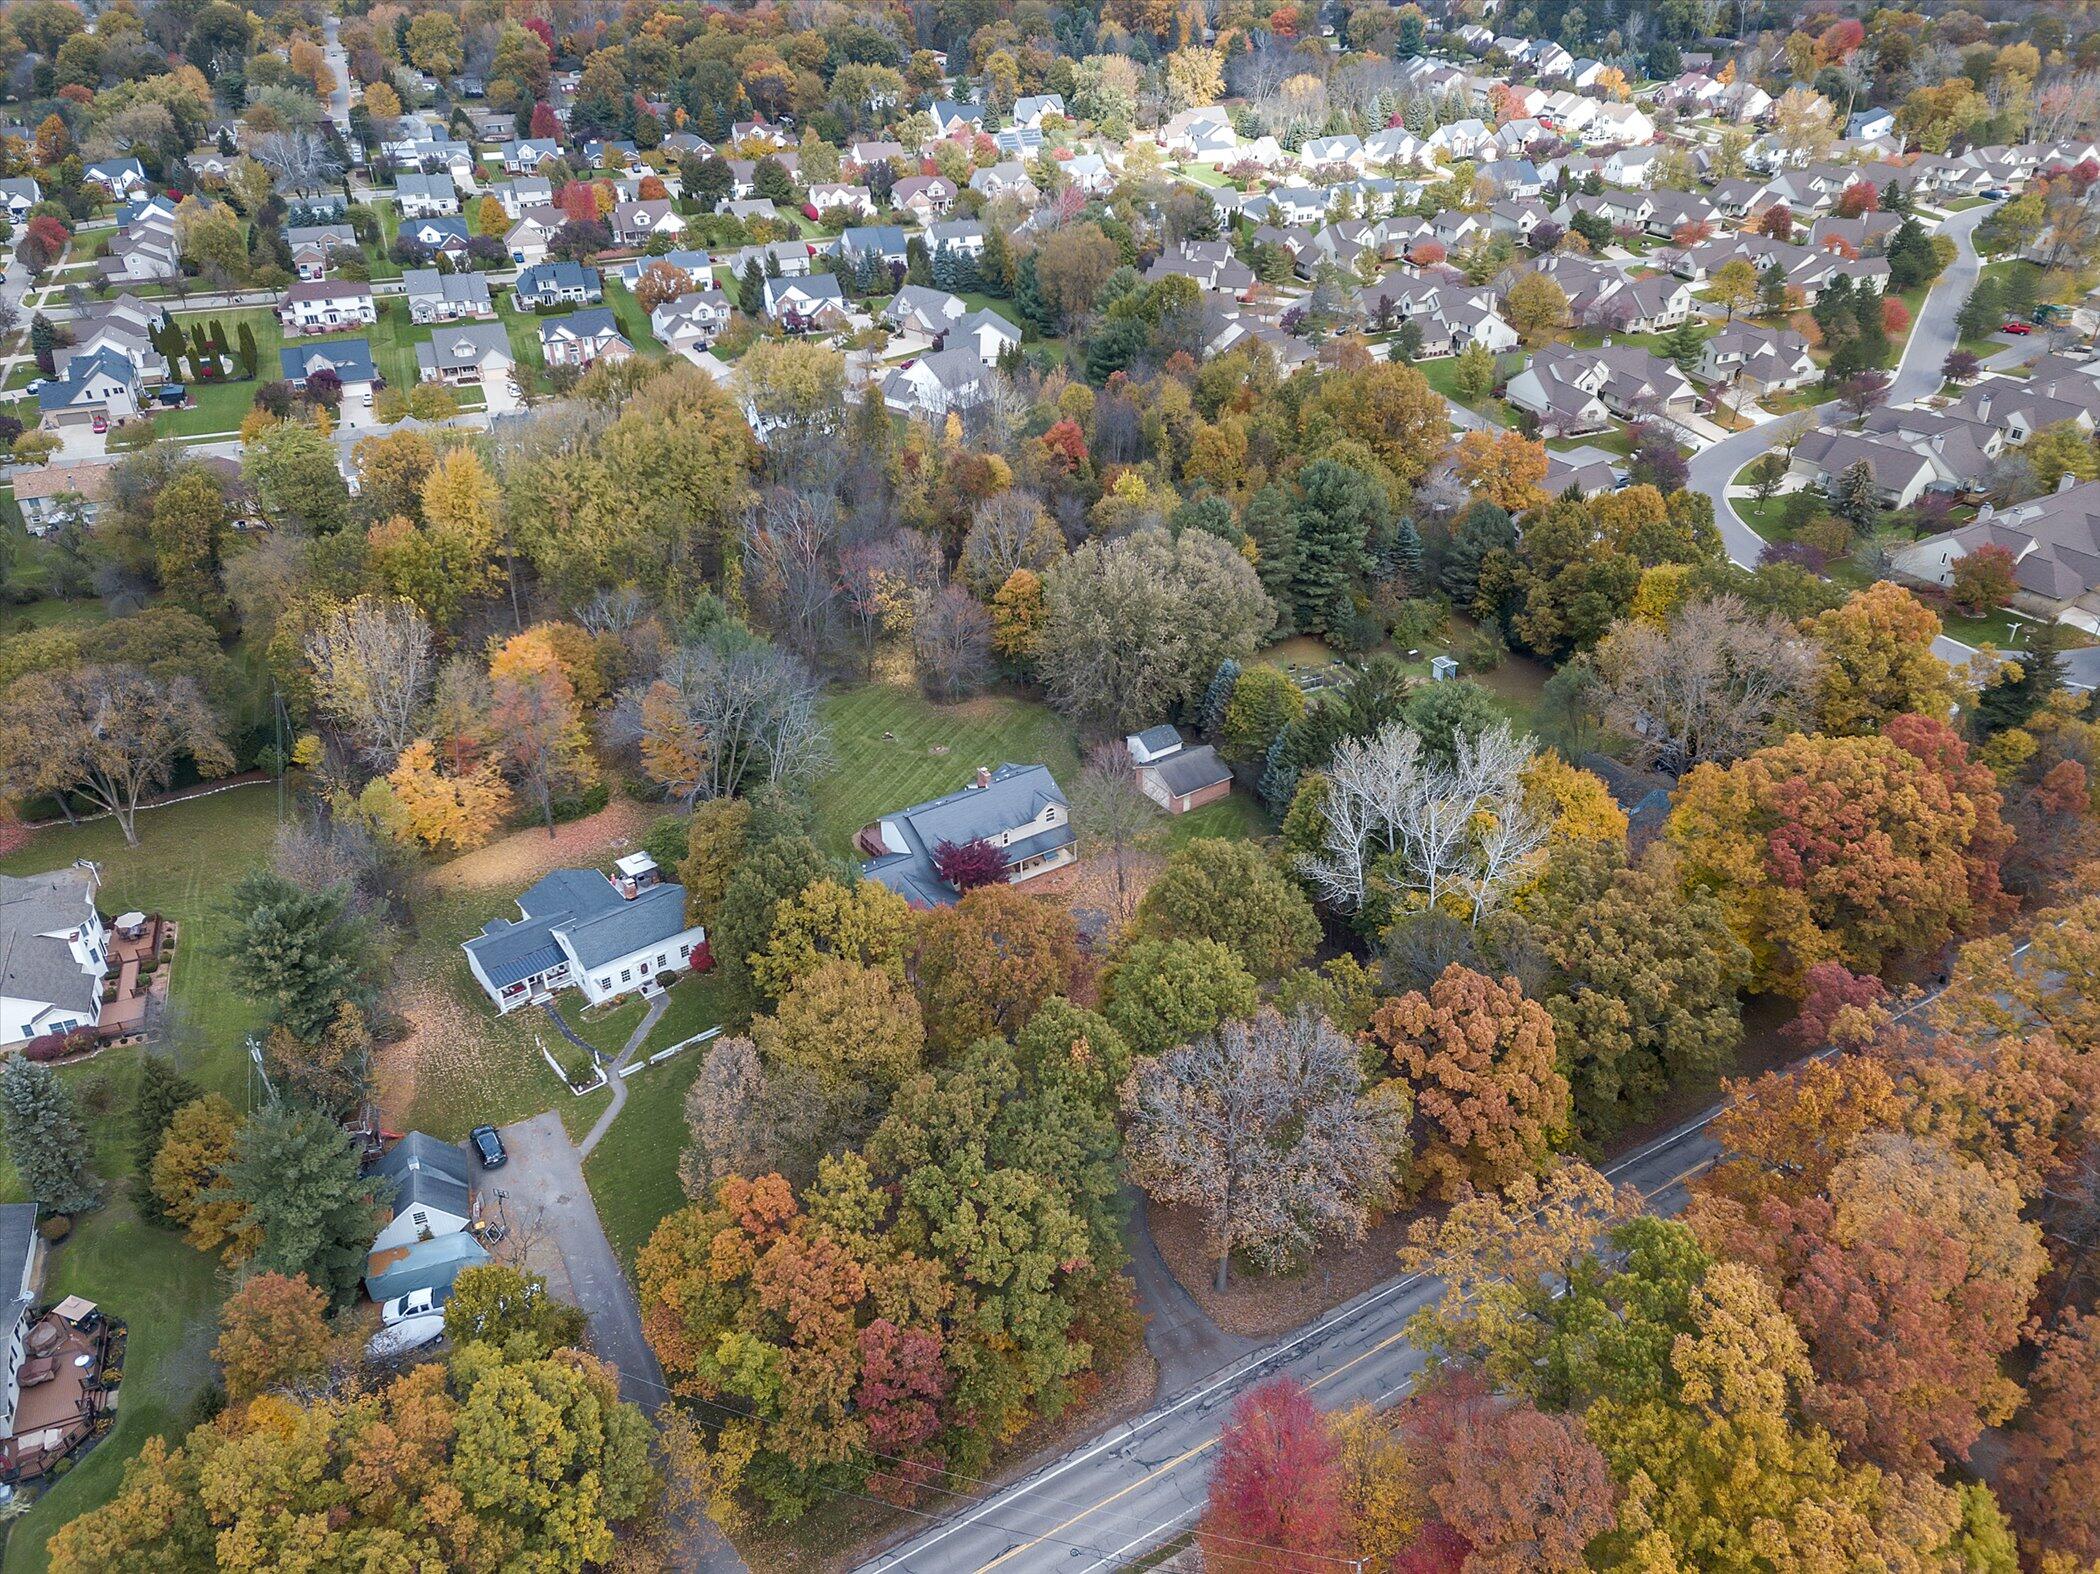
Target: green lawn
{"points": [[633, 1172], [611, 1029], [896, 749], [187, 861], [634, 322], [222, 406], [1442, 375], [1237, 817]]}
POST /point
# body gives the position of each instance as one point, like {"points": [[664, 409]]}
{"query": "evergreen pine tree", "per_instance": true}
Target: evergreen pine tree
{"points": [[248, 353], [1407, 556], [297, 1171], [1218, 695], [1279, 774], [751, 289], [45, 1138], [218, 338]]}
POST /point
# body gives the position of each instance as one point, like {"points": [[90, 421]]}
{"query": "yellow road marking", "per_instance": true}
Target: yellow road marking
{"points": [[1145, 1480], [1202, 1448]]}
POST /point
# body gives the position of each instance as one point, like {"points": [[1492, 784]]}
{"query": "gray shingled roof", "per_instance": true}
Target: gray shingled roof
{"points": [[422, 1265], [1191, 770], [583, 905], [32, 967], [1015, 795], [425, 1172]]}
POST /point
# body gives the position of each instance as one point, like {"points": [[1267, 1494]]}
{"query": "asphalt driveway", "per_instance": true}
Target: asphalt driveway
{"points": [[548, 1209]]}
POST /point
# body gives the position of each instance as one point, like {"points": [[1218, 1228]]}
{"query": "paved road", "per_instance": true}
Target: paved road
{"points": [[546, 1202], [1140, 1485], [1932, 336], [1917, 374], [338, 62], [1137, 1486]]}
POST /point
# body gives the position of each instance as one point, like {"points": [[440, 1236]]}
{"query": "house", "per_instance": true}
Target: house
{"points": [[558, 284], [439, 237], [747, 210], [120, 177], [1008, 178], [2055, 544], [1588, 470], [102, 384], [827, 196], [926, 198], [469, 353], [937, 383], [1019, 809], [1030, 108], [325, 305], [950, 117], [1766, 358], [917, 309], [1210, 263], [805, 302], [349, 359], [692, 322], [883, 242], [963, 236], [787, 259], [54, 952], [522, 158], [638, 223], [579, 929], [1900, 473], [316, 247], [18, 194], [1869, 125], [395, 1271], [50, 494], [1621, 123], [617, 154], [528, 239], [1566, 389], [986, 333], [21, 1269], [445, 297], [126, 325], [425, 196], [1173, 775], [145, 251], [428, 1188], [583, 337], [527, 191]]}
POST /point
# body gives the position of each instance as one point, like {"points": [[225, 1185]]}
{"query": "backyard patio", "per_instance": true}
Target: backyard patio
{"points": [[67, 1388]]}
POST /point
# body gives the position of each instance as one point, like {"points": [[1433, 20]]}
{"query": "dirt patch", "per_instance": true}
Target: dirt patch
{"points": [[422, 1005], [515, 861], [1261, 1307], [846, 1533]]}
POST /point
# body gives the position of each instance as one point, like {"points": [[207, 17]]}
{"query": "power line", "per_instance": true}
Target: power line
{"points": [[918, 1465]]}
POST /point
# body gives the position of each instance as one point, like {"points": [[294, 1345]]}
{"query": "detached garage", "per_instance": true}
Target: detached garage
{"points": [[1173, 775]]}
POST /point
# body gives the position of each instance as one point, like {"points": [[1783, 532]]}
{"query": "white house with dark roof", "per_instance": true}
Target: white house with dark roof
{"points": [[429, 1187], [324, 305], [1019, 809], [54, 953], [583, 337], [1175, 775], [469, 352], [577, 928]]}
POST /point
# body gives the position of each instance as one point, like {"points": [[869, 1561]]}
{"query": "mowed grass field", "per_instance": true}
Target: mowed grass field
{"points": [[895, 748], [188, 859]]}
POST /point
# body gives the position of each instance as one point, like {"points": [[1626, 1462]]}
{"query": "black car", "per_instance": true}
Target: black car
{"points": [[489, 1146]]}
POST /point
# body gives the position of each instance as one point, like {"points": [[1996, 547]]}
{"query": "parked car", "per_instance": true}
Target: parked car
{"points": [[101, 423], [489, 1146], [2015, 327], [417, 1303], [410, 1334]]}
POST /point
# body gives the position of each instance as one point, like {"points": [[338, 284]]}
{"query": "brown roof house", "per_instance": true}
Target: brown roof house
{"points": [[1175, 775]]}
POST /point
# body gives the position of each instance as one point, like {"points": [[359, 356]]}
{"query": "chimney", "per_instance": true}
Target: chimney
{"points": [[984, 777], [627, 888], [2066, 481]]}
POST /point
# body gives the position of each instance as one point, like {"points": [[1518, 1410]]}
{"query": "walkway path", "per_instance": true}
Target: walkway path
{"points": [[635, 1040]]}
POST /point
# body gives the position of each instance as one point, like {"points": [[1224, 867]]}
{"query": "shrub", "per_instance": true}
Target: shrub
{"points": [[588, 802], [56, 1228], [45, 1047]]}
